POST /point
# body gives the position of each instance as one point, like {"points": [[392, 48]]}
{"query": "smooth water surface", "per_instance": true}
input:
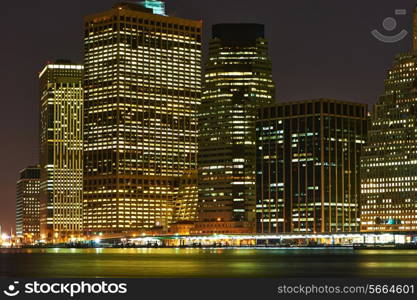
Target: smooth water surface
{"points": [[221, 263]]}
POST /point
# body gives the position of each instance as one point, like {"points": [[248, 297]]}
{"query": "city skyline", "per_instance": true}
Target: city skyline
{"points": [[23, 163]]}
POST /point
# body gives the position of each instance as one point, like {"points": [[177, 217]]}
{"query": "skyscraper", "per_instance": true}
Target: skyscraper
{"points": [[308, 166], [61, 149], [142, 92], [238, 80], [27, 204], [389, 164]]}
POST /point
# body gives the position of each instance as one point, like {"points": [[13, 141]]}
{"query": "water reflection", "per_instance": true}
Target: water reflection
{"points": [[208, 262]]}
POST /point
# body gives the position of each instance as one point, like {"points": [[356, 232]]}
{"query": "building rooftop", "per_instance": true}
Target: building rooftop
{"points": [[314, 100], [148, 6], [238, 33]]}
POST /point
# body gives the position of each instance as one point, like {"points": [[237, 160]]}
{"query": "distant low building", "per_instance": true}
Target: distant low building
{"points": [[222, 227], [27, 204], [182, 228]]}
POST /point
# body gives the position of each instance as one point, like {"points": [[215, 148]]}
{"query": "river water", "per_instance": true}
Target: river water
{"points": [[207, 263]]}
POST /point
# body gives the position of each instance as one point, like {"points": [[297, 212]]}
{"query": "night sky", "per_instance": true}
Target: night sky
{"points": [[319, 48]]}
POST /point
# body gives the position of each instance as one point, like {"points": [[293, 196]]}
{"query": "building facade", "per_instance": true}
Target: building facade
{"points": [[186, 199], [308, 166], [238, 79], [61, 151], [27, 204], [142, 92], [389, 164]]}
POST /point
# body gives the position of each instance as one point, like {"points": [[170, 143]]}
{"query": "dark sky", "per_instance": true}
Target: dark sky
{"points": [[319, 48]]}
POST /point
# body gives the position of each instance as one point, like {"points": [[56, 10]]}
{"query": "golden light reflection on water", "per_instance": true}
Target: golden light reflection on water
{"points": [[209, 262], [390, 265], [387, 252]]}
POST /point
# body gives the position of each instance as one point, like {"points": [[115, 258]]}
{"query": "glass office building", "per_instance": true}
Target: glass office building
{"points": [[238, 79], [308, 166]]}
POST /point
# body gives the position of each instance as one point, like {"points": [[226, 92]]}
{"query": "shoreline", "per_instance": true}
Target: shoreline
{"points": [[257, 247], [186, 247]]}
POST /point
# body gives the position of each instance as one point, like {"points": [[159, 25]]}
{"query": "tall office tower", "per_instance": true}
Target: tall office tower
{"points": [[238, 80], [61, 150], [27, 204], [389, 164], [308, 166], [142, 92]]}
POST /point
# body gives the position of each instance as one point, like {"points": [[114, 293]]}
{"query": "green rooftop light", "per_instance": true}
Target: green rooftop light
{"points": [[158, 7]]}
